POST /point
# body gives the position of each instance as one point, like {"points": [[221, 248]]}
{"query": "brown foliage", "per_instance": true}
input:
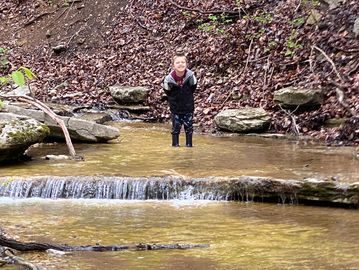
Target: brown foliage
{"points": [[239, 60]]}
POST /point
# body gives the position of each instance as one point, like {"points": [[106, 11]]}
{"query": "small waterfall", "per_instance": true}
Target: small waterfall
{"points": [[245, 188], [109, 188]]}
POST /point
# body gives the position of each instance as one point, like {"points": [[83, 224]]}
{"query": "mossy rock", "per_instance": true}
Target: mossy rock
{"points": [[17, 135]]}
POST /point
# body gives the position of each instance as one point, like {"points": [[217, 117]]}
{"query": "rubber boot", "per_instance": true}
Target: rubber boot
{"points": [[175, 140], [189, 140]]}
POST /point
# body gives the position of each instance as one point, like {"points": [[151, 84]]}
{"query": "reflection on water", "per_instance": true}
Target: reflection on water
{"points": [[144, 150], [241, 235]]}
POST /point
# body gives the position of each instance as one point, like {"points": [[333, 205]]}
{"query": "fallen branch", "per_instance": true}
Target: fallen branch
{"points": [[292, 117], [33, 246], [53, 116], [74, 35], [342, 101], [37, 18], [58, 17], [329, 60], [339, 92], [72, 4]]}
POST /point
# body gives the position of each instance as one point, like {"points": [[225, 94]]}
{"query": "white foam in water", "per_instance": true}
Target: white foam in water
{"points": [[103, 202], [192, 202]]}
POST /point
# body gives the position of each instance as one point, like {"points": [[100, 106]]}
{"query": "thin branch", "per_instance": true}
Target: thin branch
{"points": [[341, 99], [74, 35], [38, 17], [53, 116], [58, 17], [249, 54], [292, 116], [329, 60], [339, 92], [298, 6], [270, 76], [311, 60], [67, 14], [243, 73], [267, 68]]}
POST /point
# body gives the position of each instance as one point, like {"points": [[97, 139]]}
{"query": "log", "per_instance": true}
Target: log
{"points": [[34, 246]]}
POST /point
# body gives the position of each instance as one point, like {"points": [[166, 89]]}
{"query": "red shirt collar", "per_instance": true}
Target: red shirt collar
{"points": [[178, 79]]}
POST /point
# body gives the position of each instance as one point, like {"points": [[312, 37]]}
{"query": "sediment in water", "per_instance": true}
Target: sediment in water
{"points": [[244, 188]]}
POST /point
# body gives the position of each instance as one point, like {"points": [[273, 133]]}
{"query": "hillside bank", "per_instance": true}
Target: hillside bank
{"points": [[241, 53]]}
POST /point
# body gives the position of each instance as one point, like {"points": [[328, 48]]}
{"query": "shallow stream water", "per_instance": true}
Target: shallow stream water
{"points": [[144, 150], [241, 235]]}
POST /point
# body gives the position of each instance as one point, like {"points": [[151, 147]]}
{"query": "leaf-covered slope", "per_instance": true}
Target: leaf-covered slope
{"points": [[241, 52]]}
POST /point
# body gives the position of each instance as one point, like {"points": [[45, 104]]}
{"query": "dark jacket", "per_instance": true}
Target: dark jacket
{"points": [[181, 97]]}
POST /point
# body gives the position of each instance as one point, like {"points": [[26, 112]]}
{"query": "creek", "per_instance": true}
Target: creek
{"points": [[144, 150], [241, 235]]}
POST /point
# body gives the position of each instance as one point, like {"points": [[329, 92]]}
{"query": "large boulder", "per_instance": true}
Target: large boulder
{"points": [[79, 129], [243, 120], [129, 95], [17, 133], [292, 97]]}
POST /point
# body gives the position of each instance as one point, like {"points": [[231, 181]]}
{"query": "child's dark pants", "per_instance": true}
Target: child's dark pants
{"points": [[177, 121]]}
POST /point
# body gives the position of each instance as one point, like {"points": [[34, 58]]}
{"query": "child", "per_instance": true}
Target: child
{"points": [[179, 87]]}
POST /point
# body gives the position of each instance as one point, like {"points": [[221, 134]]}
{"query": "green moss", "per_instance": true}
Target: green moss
{"points": [[28, 134]]}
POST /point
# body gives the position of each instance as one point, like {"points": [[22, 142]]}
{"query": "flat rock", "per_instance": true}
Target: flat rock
{"points": [[292, 97], [79, 129], [243, 120], [125, 95]]}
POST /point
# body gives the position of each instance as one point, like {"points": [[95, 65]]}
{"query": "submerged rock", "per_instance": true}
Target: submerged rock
{"points": [[243, 120], [17, 133]]}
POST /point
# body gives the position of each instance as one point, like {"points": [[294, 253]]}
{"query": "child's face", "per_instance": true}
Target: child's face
{"points": [[180, 64]]}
